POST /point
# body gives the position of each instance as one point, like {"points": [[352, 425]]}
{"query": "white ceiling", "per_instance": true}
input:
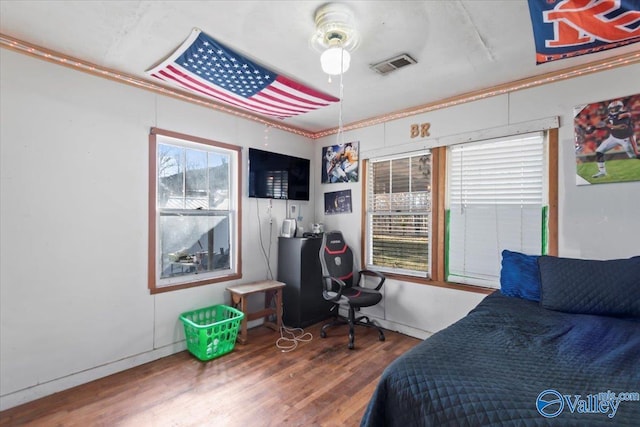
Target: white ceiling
{"points": [[460, 45]]}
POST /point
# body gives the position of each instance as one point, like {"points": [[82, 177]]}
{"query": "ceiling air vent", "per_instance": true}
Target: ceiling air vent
{"points": [[392, 64]]}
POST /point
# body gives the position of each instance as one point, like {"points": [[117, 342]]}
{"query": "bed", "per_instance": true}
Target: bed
{"points": [[558, 345]]}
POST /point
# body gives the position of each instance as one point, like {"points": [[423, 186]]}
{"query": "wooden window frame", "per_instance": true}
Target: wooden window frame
{"points": [[153, 213], [438, 226], [376, 208]]}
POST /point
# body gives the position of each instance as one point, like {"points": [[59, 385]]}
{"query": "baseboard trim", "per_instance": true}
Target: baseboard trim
{"points": [[392, 326], [400, 328], [29, 394]]}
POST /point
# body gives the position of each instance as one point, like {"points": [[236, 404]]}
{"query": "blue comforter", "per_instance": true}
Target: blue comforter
{"points": [[510, 362]]}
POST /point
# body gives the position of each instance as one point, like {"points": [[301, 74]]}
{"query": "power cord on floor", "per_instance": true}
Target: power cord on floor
{"points": [[290, 337]]}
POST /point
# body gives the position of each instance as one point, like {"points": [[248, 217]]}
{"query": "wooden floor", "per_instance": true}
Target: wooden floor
{"points": [[320, 383]]}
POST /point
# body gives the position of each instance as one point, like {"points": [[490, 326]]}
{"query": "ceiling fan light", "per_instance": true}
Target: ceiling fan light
{"points": [[335, 60]]}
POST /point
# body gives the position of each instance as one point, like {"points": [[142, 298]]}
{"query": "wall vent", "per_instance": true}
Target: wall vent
{"points": [[392, 64]]}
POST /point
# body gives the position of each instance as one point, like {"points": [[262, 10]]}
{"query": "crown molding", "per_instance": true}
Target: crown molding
{"points": [[43, 53], [118, 76], [547, 78]]}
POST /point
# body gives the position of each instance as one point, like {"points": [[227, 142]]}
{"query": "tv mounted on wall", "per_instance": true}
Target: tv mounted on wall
{"points": [[278, 176]]}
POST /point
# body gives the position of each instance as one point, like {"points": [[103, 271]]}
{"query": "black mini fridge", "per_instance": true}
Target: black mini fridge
{"points": [[299, 268]]}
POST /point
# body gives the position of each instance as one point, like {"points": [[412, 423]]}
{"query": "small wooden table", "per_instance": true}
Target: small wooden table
{"points": [[271, 289]]}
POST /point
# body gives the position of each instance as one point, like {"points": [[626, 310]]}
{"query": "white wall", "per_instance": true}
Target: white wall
{"points": [[74, 303], [597, 222]]}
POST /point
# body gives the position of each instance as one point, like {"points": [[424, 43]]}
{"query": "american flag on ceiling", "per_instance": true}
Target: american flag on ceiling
{"points": [[207, 67], [568, 28]]}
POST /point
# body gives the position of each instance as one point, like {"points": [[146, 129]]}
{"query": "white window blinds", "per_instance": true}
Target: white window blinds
{"points": [[496, 201], [398, 214]]}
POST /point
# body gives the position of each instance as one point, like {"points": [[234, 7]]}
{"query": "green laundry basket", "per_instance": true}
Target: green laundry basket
{"points": [[211, 331]]}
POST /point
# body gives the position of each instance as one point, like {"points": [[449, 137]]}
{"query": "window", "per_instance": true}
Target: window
{"points": [[442, 217], [194, 202], [398, 210], [495, 201]]}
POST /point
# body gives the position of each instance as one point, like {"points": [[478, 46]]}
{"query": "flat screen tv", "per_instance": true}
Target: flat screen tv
{"points": [[278, 176]]}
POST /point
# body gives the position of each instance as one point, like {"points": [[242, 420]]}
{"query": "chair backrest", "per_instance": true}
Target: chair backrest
{"points": [[336, 258]]}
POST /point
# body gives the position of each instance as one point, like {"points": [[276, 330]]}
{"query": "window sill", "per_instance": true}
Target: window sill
{"points": [[168, 288], [441, 284]]}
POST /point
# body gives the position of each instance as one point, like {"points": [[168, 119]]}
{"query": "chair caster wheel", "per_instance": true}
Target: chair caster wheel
{"points": [[323, 334], [381, 338], [351, 346]]}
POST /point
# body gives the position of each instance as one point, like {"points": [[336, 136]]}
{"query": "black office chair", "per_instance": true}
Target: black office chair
{"points": [[336, 259]]}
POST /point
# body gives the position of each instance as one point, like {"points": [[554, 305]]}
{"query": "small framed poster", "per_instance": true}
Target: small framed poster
{"points": [[337, 202]]}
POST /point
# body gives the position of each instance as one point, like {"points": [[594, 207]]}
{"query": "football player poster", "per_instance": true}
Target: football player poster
{"points": [[340, 163], [606, 141]]}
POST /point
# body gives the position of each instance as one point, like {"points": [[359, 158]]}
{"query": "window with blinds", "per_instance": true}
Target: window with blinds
{"points": [[495, 201], [398, 214]]}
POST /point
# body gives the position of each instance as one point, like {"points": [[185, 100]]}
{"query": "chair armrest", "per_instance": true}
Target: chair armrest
{"points": [[325, 291], [377, 274]]}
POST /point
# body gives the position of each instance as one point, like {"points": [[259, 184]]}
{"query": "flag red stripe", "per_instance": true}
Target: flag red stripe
{"points": [[166, 76], [283, 93], [304, 89], [239, 101], [280, 100]]}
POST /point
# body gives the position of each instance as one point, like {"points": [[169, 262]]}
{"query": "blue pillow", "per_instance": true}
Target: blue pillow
{"points": [[608, 288], [519, 276]]}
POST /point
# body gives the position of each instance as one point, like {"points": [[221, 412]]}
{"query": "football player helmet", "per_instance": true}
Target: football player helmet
{"points": [[615, 107]]}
